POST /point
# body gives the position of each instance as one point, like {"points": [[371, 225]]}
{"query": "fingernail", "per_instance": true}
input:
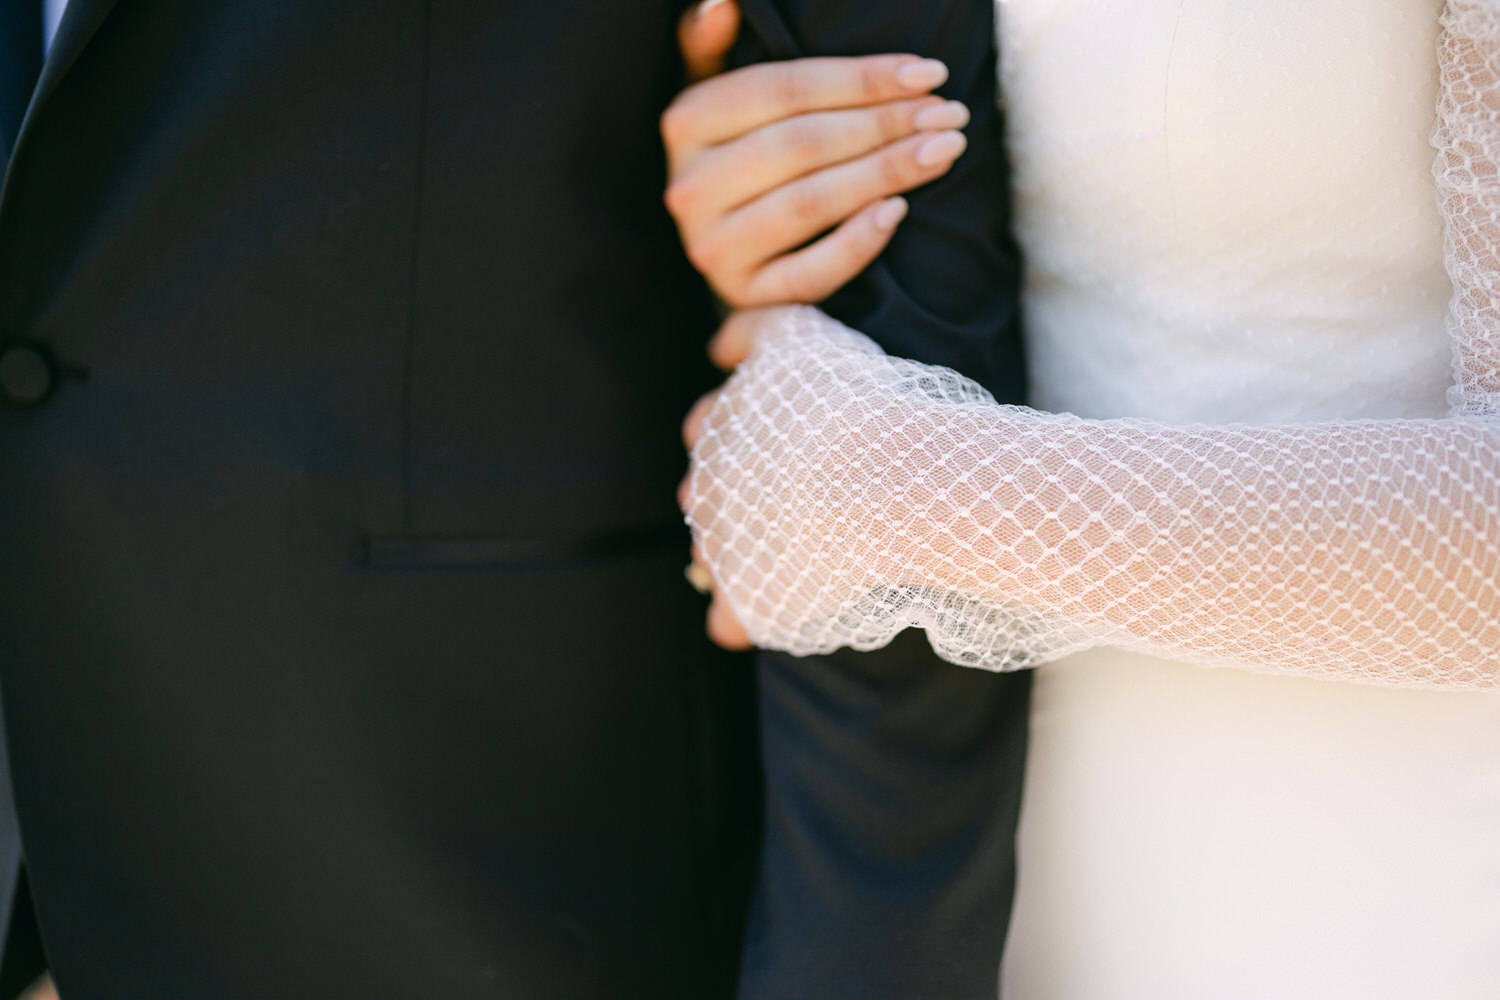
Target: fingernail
{"points": [[945, 147], [889, 215], [924, 74], [949, 114], [706, 6]]}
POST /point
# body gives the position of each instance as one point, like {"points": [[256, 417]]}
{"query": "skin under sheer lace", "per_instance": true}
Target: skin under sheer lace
{"points": [[841, 495]]}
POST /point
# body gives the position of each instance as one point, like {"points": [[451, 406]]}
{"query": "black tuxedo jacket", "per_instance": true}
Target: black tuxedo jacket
{"points": [[343, 346]]}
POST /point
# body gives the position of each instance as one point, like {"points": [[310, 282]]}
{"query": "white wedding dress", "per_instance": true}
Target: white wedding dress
{"points": [[1227, 212], [1229, 215]]}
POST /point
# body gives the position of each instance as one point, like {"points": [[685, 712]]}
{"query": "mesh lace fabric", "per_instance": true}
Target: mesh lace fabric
{"points": [[842, 495]]}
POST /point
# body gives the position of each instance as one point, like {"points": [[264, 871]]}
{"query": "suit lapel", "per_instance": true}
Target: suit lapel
{"points": [[81, 20], [20, 64]]}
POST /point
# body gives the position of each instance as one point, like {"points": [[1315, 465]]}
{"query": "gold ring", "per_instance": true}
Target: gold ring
{"points": [[698, 575]]}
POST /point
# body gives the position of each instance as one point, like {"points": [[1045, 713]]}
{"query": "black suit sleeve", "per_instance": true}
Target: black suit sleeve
{"points": [[893, 780], [946, 289]]}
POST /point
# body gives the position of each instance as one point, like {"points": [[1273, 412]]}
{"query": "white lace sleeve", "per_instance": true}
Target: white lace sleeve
{"points": [[841, 495]]}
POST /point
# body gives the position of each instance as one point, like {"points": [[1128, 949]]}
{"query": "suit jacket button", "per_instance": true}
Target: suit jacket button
{"points": [[27, 374]]}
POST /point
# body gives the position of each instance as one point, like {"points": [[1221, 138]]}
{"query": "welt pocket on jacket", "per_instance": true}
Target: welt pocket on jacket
{"points": [[488, 553]]}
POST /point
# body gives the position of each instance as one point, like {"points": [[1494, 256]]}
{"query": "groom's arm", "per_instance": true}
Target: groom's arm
{"points": [[888, 864], [946, 289]]}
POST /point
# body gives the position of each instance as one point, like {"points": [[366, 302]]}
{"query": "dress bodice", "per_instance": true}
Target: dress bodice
{"points": [[1227, 207]]}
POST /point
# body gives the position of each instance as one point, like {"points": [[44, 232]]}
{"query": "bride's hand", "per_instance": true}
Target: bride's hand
{"points": [[763, 159], [817, 515], [731, 345]]}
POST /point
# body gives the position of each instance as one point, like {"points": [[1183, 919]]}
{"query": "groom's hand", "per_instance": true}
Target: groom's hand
{"points": [[763, 159]]}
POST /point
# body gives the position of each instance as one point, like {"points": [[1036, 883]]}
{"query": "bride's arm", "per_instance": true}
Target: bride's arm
{"points": [[842, 495], [1467, 170]]}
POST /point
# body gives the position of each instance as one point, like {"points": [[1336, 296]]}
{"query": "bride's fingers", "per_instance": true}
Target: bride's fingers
{"points": [[723, 627], [747, 239], [705, 34], [721, 108], [698, 575], [692, 424], [737, 336], [721, 624], [728, 176], [816, 272]]}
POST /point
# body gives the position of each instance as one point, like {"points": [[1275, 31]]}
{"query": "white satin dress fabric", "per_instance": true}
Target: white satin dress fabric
{"points": [[1228, 213]]}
